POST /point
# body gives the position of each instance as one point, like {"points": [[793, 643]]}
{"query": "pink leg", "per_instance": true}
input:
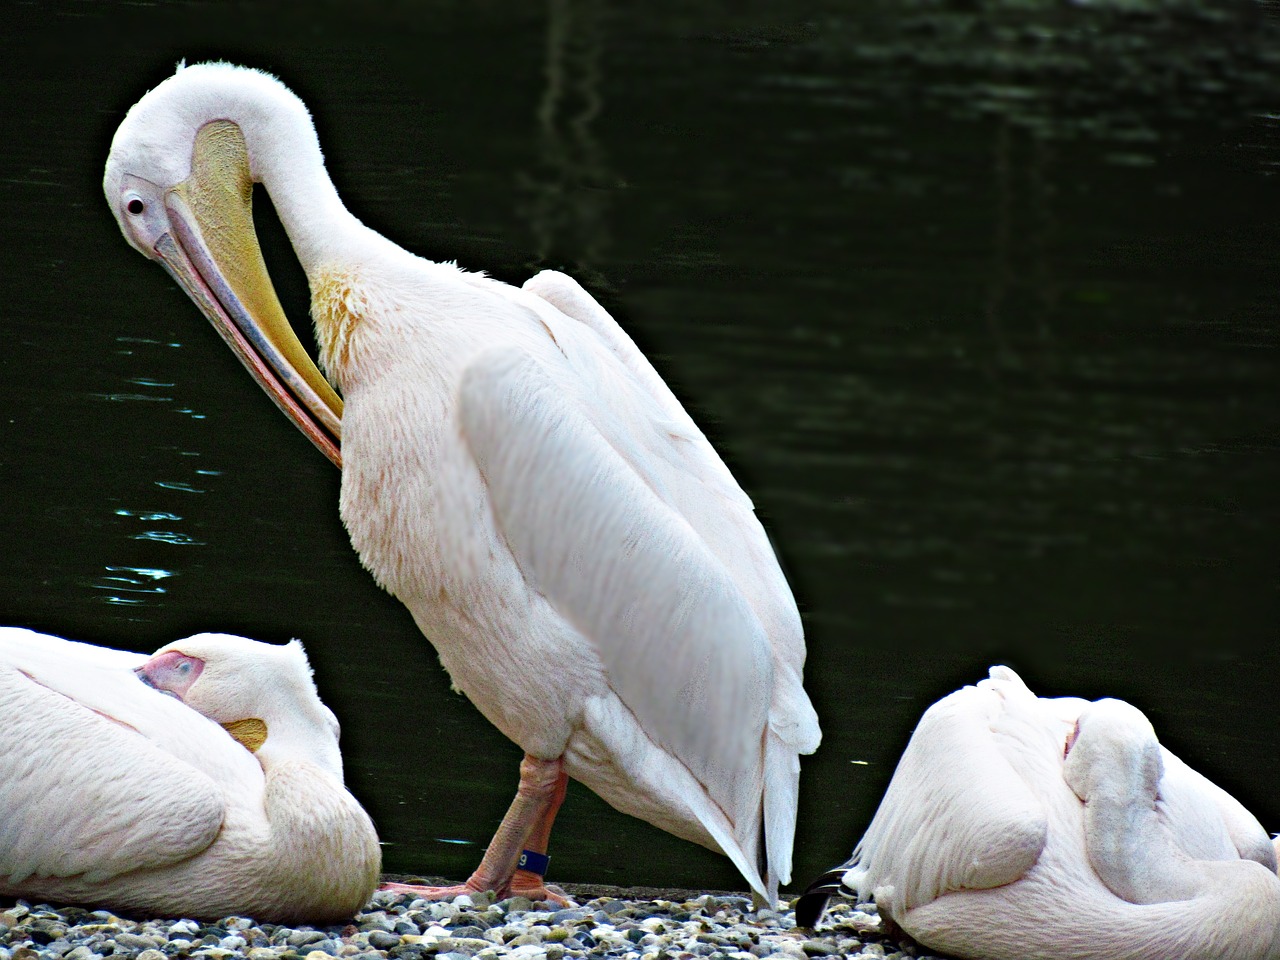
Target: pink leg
{"points": [[527, 826]]}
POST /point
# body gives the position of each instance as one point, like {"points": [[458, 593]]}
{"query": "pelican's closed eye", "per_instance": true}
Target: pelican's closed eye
{"points": [[171, 672]]}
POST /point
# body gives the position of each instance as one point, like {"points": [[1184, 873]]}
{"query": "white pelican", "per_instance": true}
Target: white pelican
{"points": [[516, 473], [120, 786], [991, 844]]}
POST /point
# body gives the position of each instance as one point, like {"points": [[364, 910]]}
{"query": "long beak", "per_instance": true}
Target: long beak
{"points": [[212, 252]]}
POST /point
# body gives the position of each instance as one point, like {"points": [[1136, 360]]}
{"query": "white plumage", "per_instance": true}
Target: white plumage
{"points": [[990, 844], [115, 792], [515, 472]]}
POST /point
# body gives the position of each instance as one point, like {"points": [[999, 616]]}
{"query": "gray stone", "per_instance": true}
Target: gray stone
{"points": [[136, 941], [819, 948], [383, 940]]}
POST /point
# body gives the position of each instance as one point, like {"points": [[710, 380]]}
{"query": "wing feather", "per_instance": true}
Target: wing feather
{"points": [[957, 814], [1207, 822], [83, 794], [681, 646], [666, 447], [568, 296], [631, 407]]}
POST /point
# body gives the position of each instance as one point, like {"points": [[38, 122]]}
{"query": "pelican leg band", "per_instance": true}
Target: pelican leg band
{"points": [[534, 862]]}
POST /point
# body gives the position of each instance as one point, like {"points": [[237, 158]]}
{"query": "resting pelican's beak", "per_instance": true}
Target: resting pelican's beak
{"points": [[212, 251]]}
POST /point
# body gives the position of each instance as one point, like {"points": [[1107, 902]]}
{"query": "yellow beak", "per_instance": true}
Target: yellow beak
{"points": [[212, 251]]}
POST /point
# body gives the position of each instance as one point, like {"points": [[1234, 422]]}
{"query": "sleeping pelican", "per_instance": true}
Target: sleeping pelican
{"points": [[1025, 828], [516, 473], [117, 789]]}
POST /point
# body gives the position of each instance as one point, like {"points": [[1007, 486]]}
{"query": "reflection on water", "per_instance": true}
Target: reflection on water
{"points": [[140, 584], [979, 301], [147, 515], [167, 536], [569, 206]]}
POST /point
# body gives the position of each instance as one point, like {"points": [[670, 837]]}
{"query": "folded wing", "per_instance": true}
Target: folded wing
{"points": [[88, 795]]}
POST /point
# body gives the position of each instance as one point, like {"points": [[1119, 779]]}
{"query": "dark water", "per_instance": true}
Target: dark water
{"points": [[979, 300]]}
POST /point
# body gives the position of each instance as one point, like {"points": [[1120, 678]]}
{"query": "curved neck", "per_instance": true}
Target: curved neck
{"points": [[311, 815], [287, 161], [1132, 852], [286, 747]]}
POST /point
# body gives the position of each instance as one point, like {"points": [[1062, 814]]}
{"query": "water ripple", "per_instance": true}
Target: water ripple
{"points": [[129, 397], [178, 485], [158, 343], [140, 582], [148, 515], [168, 536]]}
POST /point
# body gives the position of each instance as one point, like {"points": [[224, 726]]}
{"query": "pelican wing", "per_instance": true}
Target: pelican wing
{"points": [[1248, 836], [957, 814], [84, 794], [601, 353], [568, 296], [586, 512], [1206, 821], [679, 462], [43, 654], [659, 440]]}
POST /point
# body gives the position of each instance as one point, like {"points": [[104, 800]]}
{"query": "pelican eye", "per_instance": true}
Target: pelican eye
{"points": [[135, 205]]}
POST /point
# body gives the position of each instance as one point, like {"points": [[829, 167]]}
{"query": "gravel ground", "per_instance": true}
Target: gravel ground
{"points": [[628, 924]]}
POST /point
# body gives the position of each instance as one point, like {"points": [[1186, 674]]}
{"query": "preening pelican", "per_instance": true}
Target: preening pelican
{"points": [[1025, 828], [516, 473], [201, 782]]}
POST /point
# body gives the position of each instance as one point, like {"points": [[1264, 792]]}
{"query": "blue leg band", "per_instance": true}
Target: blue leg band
{"points": [[534, 862]]}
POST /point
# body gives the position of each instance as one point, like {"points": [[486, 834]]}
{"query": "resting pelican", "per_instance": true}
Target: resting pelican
{"points": [[516, 473], [991, 844], [117, 789]]}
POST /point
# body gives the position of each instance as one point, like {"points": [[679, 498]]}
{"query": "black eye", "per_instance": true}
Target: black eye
{"points": [[135, 206]]}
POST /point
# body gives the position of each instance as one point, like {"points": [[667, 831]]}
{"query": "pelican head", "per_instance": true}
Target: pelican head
{"points": [[262, 694], [1113, 753], [179, 179]]}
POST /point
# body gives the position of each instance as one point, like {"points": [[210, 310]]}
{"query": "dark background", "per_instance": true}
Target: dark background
{"points": [[978, 300]]}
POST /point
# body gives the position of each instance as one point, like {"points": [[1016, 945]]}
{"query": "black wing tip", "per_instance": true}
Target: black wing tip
{"points": [[813, 902], [810, 908]]}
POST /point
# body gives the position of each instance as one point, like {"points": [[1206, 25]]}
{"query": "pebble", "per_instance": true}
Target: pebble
{"points": [[475, 927]]}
